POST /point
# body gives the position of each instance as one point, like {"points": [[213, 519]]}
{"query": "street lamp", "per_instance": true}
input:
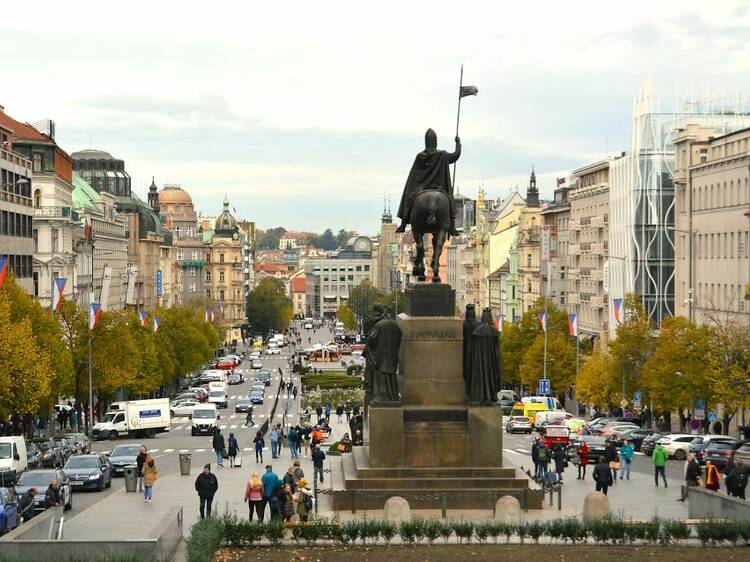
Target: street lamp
{"points": [[747, 251]]}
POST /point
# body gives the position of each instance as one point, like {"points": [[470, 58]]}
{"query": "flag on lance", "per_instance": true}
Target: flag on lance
{"points": [[618, 310], [213, 316], [499, 322], [573, 325], [3, 269], [143, 315], [95, 312], [543, 321], [58, 287], [157, 322]]}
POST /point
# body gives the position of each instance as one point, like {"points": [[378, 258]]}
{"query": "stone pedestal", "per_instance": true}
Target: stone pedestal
{"points": [[386, 430], [430, 299], [485, 436]]}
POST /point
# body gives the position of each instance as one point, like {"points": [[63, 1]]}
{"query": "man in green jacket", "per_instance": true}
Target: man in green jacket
{"points": [[659, 460]]}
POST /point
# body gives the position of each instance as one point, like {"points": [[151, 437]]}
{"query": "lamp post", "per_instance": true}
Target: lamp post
{"points": [[747, 252]]}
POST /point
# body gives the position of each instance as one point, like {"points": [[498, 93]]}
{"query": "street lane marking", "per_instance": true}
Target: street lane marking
{"points": [[512, 451], [168, 450], [154, 450], [232, 427], [199, 450], [223, 426]]}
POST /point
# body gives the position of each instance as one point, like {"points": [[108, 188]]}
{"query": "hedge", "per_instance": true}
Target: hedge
{"points": [[208, 534], [331, 380]]}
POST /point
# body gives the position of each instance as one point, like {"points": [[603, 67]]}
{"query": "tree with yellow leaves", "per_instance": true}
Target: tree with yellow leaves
{"points": [[596, 384]]}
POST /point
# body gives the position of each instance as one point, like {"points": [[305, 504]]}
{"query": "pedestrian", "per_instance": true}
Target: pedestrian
{"points": [[307, 430], [254, 497], [316, 436], [206, 485], [270, 481], [259, 443], [139, 460], [692, 476], [558, 455], [287, 499], [150, 474], [610, 455], [294, 391], [339, 413], [626, 457], [299, 474], [249, 417], [219, 447], [298, 441], [602, 475], [274, 436], [291, 441], [659, 460], [713, 477], [52, 495], [328, 410], [26, 504], [234, 448], [304, 501], [348, 411], [543, 456], [318, 456], [583, 460], [535, 457], [291, 479]]}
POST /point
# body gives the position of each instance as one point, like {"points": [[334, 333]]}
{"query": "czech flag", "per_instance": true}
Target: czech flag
{"points": [[618, 310], [57, 294], [157, 321], [95, 312], [205, 315], [222, 309], [543, 321], [213, 316], [3, 270], [573, 325], [143, 315], [500, 323]]}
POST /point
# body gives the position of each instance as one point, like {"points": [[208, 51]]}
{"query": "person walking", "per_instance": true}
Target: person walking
{"points": [[52, 495], [139, 460], [150, 474], [692, 476], [249, 418], [348, 411], [274, 436], [713, 477], [206, 485], [659, 460], [328, 410], [299, 474], [306, 431], [626, 456], [318, 456], [270, 482], [303, 499], [602, 475], [254, 497], [259, 443], [339, 413], [583, 460], [610, 455], [219, 447], [287, 500], [535, 457], [291, 441], [291, 479], [234, 448], [26, 504], [543, 456], [558, 455]]}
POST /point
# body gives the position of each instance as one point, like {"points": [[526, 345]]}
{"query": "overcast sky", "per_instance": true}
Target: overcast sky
{"points": [[306, 114]]}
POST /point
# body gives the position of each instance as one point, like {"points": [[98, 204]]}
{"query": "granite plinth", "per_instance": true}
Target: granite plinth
{"points": [[386, 431], [430, 299]]}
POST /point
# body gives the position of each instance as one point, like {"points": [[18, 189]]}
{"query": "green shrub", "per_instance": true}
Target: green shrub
{"points": [[556, 530], [652, 530], [574, 530], [205, 539], [483, 531], [350, 531], [636, 532], [413, 531], [433, 530], [388, 530], [446, 530], [536, 530], [509, 529], [464, 530], [274, 531], [674, 531]]}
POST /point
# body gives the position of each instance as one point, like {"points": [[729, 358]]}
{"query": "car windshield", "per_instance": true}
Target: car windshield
{"points": [[126, 451], [216, 393], [697, 441], [4, 450], [82, 462], [204, 414], [36, 478], [520, 418], [44, 445]]}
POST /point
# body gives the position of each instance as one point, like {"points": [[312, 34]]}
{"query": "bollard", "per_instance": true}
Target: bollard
{"points": [[444, 505], [559, 499]]}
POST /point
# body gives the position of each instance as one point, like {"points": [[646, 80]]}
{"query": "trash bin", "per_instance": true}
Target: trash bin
{"points": [[184, 463], [131, 472]]}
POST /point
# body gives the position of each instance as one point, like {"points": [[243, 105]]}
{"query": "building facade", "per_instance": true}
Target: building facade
{"points": [[16, 207], [589, 248], [712, 244], [555, 224], [329, 280], [529, 248], [102, 171]]}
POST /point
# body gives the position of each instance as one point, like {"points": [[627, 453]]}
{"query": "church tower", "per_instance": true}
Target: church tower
{"points": [[532, 194], [153, 196]]}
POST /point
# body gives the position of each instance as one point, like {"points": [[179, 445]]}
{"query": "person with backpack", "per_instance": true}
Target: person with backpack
{"points": [[543, 456], [626, 454], [219, 447], [274, 436], [602, 476], [234, 449], [259, 443], [303, 500], [558, 455]]}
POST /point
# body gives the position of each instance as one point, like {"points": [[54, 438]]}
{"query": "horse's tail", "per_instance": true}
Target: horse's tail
{"points": [[432, 218]]}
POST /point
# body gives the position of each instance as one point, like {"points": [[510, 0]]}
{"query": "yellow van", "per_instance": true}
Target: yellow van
{"points": [[528, 409]]}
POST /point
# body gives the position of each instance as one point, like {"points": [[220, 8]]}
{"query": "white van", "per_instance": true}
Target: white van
{"points": [[217, 385], [552, 417], [12, 459], [205, 419], [218, 397]]}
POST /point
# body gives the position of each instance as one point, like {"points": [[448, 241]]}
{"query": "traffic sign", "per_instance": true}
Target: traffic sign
{"points": [[637, 395], [700, 410], [623, 402], [712, 417], [637, 400], [544, 387]]}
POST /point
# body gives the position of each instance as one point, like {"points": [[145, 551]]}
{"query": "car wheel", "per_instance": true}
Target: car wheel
{"points": [[679, 455], [100, 487], [171, 413], [109, 481], [112, 435]]}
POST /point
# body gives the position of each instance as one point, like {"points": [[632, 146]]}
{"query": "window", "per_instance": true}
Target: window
{"points": [[37, 198], [189, 231], [54, 240], [177, 232], [35, 238], [192, 287], [208, 275], [208, 294], [221, 258], [528, 260], [36, 284], [196, 255], [180, 255], [38, 162], [193, 272], [221, 277], [221, 295]]}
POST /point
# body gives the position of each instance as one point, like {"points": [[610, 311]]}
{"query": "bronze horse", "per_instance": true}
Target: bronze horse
{"points": [[430, 214]]}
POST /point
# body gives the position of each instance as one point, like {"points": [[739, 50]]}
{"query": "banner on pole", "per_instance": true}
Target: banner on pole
{"points": [[58, 289], [95, 312], [573, 325]]}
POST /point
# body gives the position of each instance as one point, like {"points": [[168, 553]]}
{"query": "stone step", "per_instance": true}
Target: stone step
{"points": [[435, 483], [469, 498]]}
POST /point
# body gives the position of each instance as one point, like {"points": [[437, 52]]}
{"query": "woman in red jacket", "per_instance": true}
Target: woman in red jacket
{"points": [[583, 460]]}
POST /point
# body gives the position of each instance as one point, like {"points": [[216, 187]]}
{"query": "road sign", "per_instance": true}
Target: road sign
{"points": [[623, 403], [712, 417], [700, 410], [637, 400], [159, 278], [544, 387]]}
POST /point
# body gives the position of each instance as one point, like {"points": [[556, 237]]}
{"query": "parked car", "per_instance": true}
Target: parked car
{"points": [[41, 479], [595, 443], [52, 454], [649, 443], [721, 452], [8, 510], [634, 436], [677, 445], [518, 424], [234, 379], [256, 398], [243, 405], [180, 408], [742, 456], [699, 443], [66, 448], [89, 471], [33, 456], [121, 456], [79, 440], [273, 351]]}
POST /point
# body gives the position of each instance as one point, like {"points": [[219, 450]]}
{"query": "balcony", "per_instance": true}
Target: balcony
{"points": [[574, 274], [55, 212], [598, 222], [597, 249], [573, 298], [14, 198], [596, 302], [14, 158]]}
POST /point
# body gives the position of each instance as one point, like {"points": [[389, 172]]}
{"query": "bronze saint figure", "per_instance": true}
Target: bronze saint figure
{"points": [[470, 324], [485, 380], [381, 354]]}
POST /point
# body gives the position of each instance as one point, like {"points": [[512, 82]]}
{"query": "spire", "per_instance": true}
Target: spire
{"points": [[153, 195], [226, 202], [386, 218], [532, 194]]}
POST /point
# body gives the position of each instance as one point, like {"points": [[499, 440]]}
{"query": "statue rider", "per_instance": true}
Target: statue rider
{"points": [[429, 171]]}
